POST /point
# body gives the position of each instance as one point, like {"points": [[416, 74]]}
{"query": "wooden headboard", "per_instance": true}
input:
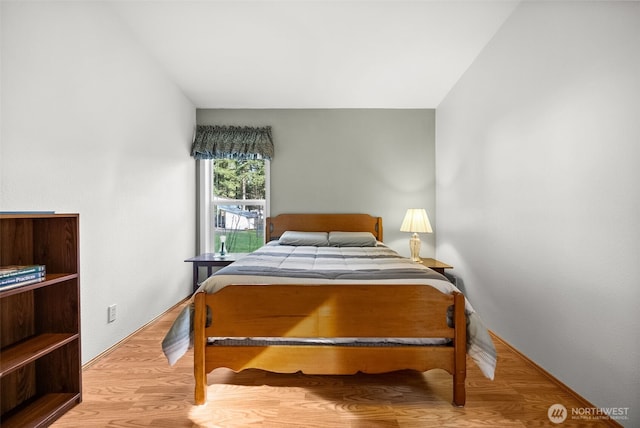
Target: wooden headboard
{"points": [[277, 225]]}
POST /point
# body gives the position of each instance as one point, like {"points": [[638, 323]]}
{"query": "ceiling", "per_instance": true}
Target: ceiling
{"points": [[314, 54]]}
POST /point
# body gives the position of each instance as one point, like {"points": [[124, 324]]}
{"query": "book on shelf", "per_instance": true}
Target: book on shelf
{"points": [[18, 276], [15, 270]]}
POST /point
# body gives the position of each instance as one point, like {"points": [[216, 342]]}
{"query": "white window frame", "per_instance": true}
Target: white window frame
{"points": [[206, 203]]}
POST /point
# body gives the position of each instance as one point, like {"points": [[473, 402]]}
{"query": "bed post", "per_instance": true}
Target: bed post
{"points": [[199, 348], [460, 350]]}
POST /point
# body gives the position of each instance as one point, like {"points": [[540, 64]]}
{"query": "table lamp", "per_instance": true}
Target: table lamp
{"points": [[415, 221]]}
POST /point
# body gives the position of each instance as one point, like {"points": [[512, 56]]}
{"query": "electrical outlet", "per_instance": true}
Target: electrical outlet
{"points": [[111, 313]]}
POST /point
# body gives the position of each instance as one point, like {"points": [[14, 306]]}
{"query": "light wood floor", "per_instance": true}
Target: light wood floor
{"points": [[133, 386]]}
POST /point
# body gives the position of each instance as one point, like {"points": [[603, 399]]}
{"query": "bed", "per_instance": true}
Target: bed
{"points": [[322, 298]]}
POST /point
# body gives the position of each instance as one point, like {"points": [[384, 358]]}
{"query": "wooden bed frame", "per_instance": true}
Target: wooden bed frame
{"points": [[298, 311]]}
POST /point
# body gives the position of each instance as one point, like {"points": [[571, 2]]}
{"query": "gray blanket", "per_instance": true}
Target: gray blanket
{"points": [[329, 263]]}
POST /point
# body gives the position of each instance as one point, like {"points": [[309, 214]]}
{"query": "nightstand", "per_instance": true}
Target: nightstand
{"points": [[434, 264], [211, 260]]}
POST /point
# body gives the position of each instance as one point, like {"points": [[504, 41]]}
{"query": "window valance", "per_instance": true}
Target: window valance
{"points": [[232, 142]]}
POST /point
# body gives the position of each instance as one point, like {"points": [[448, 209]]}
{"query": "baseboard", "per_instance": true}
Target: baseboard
{"points": [[583, 401], [117, 344]]}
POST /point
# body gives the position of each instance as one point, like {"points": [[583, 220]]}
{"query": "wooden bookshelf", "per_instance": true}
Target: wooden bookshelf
{"points": [[40, 363]]}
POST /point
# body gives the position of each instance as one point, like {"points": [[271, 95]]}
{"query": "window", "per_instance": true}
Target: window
{"points": [[233, 168], [234, 204]]}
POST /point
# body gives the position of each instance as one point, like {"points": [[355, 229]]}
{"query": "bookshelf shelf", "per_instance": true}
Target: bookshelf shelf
{"points": [[40, 365], [50, 278], [42, 411], [31, 349]]}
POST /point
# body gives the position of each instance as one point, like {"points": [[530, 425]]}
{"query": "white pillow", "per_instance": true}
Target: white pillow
{"points": [[352, 239], [315, 239]]}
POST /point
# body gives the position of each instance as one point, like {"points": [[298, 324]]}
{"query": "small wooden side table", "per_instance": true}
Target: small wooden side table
{"points": [[434, 264], [211, 260]]}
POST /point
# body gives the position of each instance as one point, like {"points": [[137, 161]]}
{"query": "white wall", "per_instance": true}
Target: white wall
{"points": [[91, 125], [538, 192], [372, 161]]}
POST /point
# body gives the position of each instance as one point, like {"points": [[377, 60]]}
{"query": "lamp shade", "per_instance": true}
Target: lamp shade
{"points": [[416, 221]]}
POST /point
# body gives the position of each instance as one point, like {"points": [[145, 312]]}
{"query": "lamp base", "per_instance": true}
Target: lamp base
{"points": [[414, 246]]}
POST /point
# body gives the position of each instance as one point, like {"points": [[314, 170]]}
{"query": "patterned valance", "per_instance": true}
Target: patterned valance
{"points": [[232, 142]]}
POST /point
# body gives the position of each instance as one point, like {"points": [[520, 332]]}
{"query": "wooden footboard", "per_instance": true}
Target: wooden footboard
{"points": [[329, 311]]}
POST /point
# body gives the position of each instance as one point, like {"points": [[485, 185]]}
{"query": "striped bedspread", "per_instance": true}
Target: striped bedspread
{"points": [[283, 264]]}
